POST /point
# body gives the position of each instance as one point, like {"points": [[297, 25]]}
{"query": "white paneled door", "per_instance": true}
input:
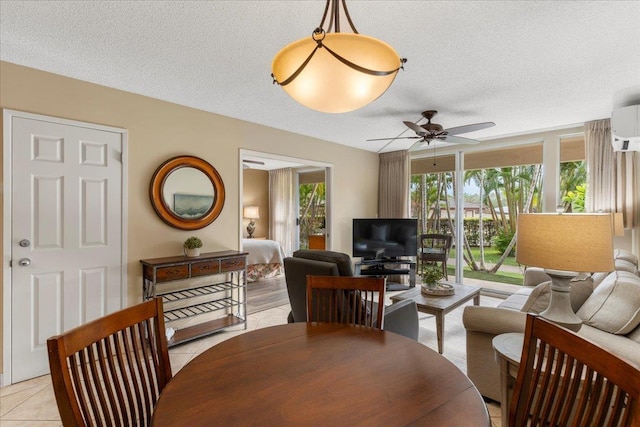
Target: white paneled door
{"points": [[66, 234]]}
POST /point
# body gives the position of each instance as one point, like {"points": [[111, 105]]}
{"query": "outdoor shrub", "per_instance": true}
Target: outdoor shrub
{"points": [[501, 241]]}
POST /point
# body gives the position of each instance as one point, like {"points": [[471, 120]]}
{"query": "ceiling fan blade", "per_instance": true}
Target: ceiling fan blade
{"points": [[397, 137], [457, 140], [416, 128], [469, 128]]}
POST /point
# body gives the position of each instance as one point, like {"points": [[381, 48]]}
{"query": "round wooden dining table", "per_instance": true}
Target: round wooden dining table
{"points": [[320, 374]]}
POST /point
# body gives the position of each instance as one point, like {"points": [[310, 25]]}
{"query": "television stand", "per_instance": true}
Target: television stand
{"points": [[378, 267]]}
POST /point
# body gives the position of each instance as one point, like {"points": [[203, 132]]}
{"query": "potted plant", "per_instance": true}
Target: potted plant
{"points": [[192, 246], [430, 276]]}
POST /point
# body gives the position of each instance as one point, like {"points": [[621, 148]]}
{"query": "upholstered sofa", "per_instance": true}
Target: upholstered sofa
{"points": [[607, 303], [401, 317]]}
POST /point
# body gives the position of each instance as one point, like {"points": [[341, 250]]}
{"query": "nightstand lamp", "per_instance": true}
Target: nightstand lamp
{"points": [[565, 245], [251, 213]]}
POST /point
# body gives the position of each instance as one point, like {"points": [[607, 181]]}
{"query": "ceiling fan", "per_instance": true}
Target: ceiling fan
{"points": [[428, 132]]}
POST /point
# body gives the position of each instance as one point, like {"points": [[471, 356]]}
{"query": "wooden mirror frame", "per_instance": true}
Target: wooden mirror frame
{"points": [[165, 213]]}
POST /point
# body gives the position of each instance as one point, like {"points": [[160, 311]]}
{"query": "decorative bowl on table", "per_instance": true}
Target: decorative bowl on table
{"points": [[437, 289]]}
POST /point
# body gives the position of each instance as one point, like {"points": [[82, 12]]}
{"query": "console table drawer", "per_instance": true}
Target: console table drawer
{"points": [[175, 272], [232, 264], [205, 268]]}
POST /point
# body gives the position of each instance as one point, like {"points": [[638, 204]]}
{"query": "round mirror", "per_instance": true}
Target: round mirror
{"points": [[187, 192]]}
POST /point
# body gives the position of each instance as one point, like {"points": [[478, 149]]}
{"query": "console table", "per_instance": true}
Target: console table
{"points": [[220, 302], [378, 267]]}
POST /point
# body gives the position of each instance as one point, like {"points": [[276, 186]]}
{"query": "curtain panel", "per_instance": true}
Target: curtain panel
{"points": [[611, 176], [393, 191], [393, 185], [282, 226]]}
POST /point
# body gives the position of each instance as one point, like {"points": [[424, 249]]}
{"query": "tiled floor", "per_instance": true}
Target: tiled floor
{"points": [[32, 403]]}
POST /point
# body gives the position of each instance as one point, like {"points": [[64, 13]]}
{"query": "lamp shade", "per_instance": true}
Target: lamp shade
{"points": [[326, 84], [566, 242], [251, 212]]}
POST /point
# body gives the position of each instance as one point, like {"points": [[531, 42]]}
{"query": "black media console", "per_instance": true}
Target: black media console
{"points": [[378, 267]]}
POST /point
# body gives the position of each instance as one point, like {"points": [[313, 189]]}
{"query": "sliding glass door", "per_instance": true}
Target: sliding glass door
{"points": [[498, 184]]}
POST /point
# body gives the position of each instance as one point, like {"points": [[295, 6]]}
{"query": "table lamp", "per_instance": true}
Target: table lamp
{"points": [[565, 245], [251, 213]]}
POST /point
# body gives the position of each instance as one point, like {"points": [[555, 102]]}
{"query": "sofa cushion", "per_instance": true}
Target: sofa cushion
{"points": [[517, 299], [538, 301], [614, 305]]}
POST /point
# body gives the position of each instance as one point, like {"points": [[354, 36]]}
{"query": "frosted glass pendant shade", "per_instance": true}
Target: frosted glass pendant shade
{"points": [[326, 84]]}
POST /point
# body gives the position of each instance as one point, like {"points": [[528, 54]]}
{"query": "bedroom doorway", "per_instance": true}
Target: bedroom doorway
{"points": [[265, 285]]}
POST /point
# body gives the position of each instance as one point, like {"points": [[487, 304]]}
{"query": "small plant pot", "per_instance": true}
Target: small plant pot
{"points": [[192, 252]]}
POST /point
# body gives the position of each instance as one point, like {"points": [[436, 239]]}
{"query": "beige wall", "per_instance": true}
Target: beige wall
{"points": [[255, 192], [159, 130]]}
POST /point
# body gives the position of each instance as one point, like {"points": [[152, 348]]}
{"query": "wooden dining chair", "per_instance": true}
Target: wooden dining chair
{"points": [[110, 371], [344, 299], [566, 380], [434, 248]]}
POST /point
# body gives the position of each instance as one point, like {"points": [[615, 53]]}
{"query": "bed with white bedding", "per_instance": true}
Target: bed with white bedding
{"points": [[265, 258]]}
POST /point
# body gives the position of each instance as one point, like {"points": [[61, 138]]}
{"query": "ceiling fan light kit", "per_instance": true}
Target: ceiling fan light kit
{"points": [[336, 72]]}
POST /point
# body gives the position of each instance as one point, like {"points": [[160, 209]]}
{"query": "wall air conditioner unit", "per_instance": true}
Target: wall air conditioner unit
{"points": [[625, 128]]}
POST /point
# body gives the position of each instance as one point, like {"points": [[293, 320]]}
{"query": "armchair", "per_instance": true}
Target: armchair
{"points": [[401, 317]]}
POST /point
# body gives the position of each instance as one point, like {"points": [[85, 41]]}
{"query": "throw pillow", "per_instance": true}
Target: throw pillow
{"points": [[622, 265], [614, 306], [538, 301], [625, 255]]}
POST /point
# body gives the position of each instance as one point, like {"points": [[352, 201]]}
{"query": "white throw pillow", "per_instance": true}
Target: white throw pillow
{"points": [[614, 306], [538, 301], [625, 255]]}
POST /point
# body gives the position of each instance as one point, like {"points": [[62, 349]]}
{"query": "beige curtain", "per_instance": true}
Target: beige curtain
{"points": [[282, 215], [611, 179], [393, 186], [393, 191]]}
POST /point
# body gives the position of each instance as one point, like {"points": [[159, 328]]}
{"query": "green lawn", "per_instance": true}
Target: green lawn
{"points": [[491, 256], [500, 277]]}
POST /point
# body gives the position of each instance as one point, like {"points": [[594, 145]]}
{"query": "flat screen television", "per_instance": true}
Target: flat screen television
{"points": [[385, 238]]}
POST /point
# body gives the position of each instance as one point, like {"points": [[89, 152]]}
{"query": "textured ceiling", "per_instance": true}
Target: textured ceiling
{"points": [[526, 65]]}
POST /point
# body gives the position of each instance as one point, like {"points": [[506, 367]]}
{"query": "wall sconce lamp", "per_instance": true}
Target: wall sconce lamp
{"points": [[336, 72], [565, 245], [251, 213]]}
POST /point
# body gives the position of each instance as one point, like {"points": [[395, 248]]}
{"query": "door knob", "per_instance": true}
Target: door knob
{"points": [[24, 262]]}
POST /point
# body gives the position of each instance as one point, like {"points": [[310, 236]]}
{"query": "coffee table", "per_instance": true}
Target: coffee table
{"points": [[441, 305]]}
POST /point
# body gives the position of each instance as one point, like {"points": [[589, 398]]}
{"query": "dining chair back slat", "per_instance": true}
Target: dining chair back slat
{"points": [[566, 380], [344, 299], [111, 371]]}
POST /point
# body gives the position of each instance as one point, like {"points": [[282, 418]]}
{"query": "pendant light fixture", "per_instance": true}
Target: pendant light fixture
{"points": [[336, 72]]}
